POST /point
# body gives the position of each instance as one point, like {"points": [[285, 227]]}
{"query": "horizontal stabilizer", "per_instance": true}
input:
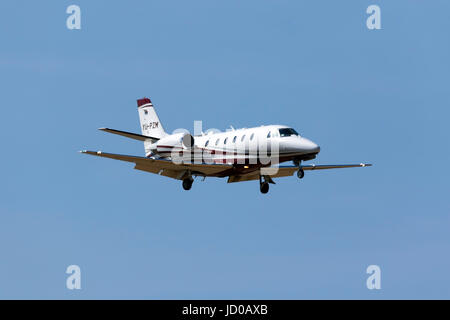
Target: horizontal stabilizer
{"points": [[130, 135]]}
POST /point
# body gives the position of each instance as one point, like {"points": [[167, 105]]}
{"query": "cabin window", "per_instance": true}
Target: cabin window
{"points": [[234, 139], [243, 137], [268, 135], [225, 141], [217, 141], [251, 137], [206, 144]]}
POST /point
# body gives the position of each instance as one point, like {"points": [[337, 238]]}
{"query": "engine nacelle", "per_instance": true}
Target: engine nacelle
{"points": [[179, 142]]}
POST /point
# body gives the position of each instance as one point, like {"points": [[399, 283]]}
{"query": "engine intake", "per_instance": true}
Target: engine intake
{"points": [[187, 141]]}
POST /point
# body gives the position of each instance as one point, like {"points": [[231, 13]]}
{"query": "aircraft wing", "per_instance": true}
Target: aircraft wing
{"points": [[165, 167], [332, 166], [290, 170], [285, 171]]}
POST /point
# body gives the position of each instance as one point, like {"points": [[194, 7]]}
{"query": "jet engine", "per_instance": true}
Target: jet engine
{"points": [[178, 142]]}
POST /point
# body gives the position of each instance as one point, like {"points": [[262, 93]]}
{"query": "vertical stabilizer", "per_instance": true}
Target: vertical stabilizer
{"points": [[150, 124]]}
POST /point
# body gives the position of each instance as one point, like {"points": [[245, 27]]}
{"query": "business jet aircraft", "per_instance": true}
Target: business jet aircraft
{"points": [[241, 155]]}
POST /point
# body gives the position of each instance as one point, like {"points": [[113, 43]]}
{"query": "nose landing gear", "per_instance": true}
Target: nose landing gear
{"points": [[300, 172]]}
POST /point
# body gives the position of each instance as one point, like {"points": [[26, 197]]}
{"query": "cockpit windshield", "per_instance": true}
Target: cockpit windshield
{"points": [[287, 132]]}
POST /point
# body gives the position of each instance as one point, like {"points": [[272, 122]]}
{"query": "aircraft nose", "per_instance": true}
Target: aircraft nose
{"points": [[315, 148], [300, 145], [311, 146]]}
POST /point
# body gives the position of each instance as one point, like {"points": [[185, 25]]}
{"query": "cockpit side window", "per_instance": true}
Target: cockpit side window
{"points": [[287, 132]]}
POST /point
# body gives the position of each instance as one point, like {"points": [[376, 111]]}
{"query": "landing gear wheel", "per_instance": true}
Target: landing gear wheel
{"points": [[300, 173], [187, 184], [264, 187]]}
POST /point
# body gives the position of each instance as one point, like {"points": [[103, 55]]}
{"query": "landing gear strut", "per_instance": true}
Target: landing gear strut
{"points": [[300, 172], [187, 183]]}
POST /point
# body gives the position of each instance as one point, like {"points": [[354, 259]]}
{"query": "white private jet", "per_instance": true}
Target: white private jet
{"points": [[241, 155]]}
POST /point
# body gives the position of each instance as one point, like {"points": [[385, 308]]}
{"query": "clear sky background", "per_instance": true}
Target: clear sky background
{"points": [[378, 96]]}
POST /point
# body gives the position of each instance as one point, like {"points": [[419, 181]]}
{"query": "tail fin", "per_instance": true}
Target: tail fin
{"points": [[150, 124]]}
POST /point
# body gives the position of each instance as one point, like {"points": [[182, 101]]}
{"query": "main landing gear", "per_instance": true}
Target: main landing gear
{"points": [[187, 183], [264, 183], [264, 187]]}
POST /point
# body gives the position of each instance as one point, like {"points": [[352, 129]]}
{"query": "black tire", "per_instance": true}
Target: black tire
{"points": [[187, 184], [264, 187], [300, 173]]}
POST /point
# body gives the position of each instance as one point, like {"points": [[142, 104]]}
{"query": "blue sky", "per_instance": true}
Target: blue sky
{"points": [[378, 96]]}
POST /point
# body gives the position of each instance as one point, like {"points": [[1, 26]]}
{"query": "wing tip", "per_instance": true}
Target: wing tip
{"points": [[91, 152]]}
